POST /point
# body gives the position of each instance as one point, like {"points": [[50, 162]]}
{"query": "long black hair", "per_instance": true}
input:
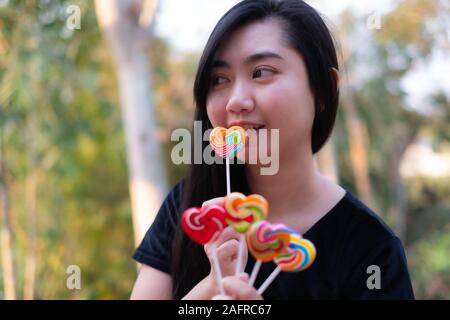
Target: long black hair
{"points": [[305, 32]]}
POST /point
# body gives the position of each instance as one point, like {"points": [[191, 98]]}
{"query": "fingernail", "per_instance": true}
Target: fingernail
{"points": [[243, 277]]}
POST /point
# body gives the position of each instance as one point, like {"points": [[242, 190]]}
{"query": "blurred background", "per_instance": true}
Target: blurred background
{"points": [[90, 92]]}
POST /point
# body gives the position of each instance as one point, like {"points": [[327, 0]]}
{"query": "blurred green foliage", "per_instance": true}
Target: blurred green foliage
{"points": [[60, 120]]}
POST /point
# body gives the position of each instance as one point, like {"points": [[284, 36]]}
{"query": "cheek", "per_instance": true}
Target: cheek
{"points": [[216, 111], [289, 107]]}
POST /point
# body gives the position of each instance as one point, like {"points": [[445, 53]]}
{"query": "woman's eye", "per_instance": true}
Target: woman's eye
{"points": [[261, 72], [216, 80]]}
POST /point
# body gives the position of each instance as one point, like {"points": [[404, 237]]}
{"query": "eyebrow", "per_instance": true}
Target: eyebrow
{"points": [[250, 59]]}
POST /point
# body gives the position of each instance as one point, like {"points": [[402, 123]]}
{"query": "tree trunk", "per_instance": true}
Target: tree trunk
{"points": [[127, 26], [30, 261], [326, 160], [358, 144], [6, 231], [31, 187], [403, 135]]}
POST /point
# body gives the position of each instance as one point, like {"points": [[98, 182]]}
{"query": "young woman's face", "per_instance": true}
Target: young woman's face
{"points": [[258, 81]]}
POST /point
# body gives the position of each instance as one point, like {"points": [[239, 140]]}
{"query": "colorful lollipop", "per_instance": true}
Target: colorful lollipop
{"points": [[300, 256], [242, 212], [201, 225], [265, 242], [227, 142]]}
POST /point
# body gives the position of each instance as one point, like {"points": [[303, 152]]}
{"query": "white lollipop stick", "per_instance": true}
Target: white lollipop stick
{"points": [[255, 272], [240, 254], [217, 270], [269, 280], [242, 237], [227, 165]]}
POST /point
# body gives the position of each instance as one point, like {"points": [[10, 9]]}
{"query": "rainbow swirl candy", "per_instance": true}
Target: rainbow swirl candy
{"points": [[300, 256], [227, 142], [267, 241], [201, 224], [243, 211]]}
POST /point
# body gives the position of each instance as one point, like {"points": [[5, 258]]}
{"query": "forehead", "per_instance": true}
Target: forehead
{"points": [[262, 35]]}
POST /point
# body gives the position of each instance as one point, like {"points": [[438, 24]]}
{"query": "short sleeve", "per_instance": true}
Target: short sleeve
{"points": [[155, 249], [381, 275]]}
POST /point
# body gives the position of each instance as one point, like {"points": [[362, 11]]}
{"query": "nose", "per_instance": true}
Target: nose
{"points": [[241, 100]]}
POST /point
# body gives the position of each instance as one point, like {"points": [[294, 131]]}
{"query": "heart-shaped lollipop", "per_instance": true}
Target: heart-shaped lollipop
{"points": [[267, 241], [300, 256], [227, 142], [201, 224], [243, 211]]}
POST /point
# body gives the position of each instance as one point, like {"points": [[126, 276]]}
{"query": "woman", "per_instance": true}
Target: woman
{"points": [[272, 65]]}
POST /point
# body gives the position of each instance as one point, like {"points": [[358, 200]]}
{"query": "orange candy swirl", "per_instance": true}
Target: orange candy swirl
{"points": [[243, 211]]}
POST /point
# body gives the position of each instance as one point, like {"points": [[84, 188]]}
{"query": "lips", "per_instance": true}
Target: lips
{"points": [[255, 127], [247, 125]]}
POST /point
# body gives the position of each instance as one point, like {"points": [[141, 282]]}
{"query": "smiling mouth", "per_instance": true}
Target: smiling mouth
{"points": [[252, 126]]}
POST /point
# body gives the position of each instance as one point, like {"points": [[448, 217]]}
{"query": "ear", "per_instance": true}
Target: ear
{"points": [[337, 77]]}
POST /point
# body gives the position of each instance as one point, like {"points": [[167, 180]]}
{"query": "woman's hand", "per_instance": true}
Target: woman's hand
{"points": [[227, 248], [238, 288], [218, 201]]}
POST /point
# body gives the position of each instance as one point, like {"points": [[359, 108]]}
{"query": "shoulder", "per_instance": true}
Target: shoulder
{"points": [[173, 199], [168, 215], [366, 241], [176, 192], [360, 221], [352, 232], [364, 238]]}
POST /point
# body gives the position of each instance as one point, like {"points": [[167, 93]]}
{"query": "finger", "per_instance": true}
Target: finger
{"points": [[218, 201], [221, 297], [227, 234], [239, 289], [228, 250], [226, 256], [244, 277]]}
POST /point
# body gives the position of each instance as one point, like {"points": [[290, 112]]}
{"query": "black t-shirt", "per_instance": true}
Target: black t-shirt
{"points": [[355, 249]]}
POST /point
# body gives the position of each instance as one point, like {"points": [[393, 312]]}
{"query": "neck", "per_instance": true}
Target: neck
{"points": [[292, 189]]}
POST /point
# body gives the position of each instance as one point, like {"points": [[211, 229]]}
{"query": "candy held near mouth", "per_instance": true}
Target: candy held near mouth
{"points": [[227, 142]]}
